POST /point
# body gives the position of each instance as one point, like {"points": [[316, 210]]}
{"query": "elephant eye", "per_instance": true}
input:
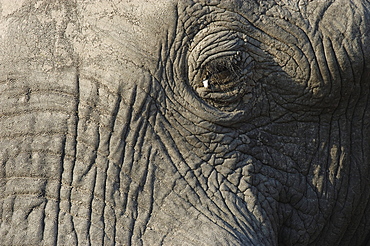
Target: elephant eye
{"points": [[223, 81], [220, 72]]}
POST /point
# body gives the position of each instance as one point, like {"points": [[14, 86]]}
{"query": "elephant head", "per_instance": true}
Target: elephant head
{"points": [[184, 122]]}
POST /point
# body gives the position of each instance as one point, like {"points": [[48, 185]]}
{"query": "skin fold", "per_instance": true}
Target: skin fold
{"points": [[185, 122]]}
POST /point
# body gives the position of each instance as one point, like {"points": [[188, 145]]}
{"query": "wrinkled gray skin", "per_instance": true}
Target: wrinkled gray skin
{"points": [[184, 122]]}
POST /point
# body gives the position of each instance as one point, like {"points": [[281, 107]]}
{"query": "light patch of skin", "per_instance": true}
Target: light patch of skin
{"points": [[130, 30], [334, 159], [150, 16], [9, 7]]}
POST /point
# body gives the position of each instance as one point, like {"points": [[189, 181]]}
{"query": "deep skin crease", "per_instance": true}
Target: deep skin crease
{"points": [[185, 122]]}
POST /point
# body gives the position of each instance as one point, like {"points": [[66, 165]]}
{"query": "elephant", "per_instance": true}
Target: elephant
{"points": [[185, 122]]}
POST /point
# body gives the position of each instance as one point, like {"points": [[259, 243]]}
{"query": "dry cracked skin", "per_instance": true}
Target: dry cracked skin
{"points": [[184, 122]]}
